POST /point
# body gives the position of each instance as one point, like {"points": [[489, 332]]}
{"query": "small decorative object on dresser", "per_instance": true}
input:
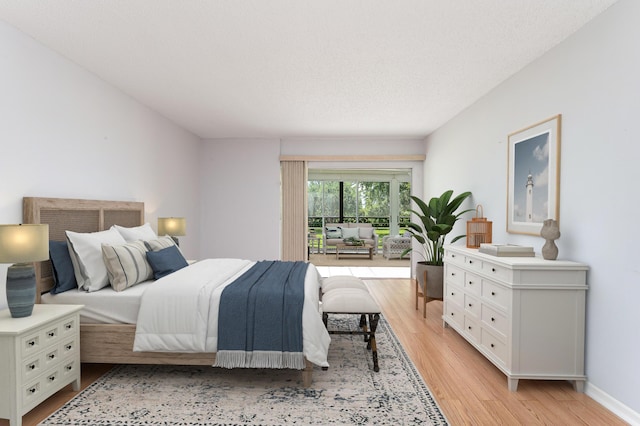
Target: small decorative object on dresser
{"points": [[479, 229], [39, 355], [550, 231], [524, 314]]}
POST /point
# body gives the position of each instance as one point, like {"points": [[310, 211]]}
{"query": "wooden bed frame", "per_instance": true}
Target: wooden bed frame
{"points": [[104, 343]]}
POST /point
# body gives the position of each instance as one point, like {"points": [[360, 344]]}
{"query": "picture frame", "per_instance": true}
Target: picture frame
{"points": [[533, 176]]}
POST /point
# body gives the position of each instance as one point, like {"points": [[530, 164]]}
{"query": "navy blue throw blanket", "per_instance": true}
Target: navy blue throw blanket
{"points": [[260, 317]]}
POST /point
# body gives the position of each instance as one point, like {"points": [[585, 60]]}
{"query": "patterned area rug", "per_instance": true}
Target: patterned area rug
{"points": [[348, 393]]}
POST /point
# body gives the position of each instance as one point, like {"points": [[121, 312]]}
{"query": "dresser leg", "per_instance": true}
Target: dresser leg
{"points": [[578, 385], [513, 384], [75, 385]]}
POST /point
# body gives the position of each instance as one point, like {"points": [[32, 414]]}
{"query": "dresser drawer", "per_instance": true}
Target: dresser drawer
{"points": [[496, 271], [454, 275], [455, 295], [471, 305], [497, 321], [454, 258], [472, 283], [473, 263], [472, 328], [494, 345], [454, 315], [496, 294]]}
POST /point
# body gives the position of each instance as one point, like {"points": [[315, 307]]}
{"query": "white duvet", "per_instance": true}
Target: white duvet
{"points": [[179, 313]]}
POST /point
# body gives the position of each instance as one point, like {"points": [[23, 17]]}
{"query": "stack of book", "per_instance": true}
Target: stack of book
{"points": [[506, 250]]}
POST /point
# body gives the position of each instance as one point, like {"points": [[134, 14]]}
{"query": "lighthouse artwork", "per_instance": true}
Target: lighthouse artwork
{"points": [[533, 177]]}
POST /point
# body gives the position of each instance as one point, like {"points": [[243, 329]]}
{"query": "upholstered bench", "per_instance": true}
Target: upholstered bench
{"points": [[349, 295]]}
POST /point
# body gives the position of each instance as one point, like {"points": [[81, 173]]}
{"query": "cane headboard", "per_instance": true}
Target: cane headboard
{"points": [[66, 214]]}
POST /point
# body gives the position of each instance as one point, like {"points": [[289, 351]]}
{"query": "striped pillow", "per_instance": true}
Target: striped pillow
{"points": [[126, 264], [161, 243]]}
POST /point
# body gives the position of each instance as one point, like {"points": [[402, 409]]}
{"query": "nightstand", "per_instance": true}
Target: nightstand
{"points": [[39, 355]]}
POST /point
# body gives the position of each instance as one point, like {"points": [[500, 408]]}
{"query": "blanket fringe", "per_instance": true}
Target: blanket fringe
{"points": [[260, 359]]}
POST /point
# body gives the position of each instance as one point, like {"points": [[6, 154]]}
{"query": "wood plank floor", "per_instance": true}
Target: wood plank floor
{"points": [[468, 388]]}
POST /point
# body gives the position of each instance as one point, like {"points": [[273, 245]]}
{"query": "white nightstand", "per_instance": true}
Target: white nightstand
{"points": [[39, 355]]}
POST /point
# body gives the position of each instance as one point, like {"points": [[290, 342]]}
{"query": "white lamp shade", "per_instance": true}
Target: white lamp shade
{"points": [[174, 226], [24, 243]]}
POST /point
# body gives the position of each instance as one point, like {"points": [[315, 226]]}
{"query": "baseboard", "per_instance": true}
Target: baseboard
{"points": [[612, 404]]}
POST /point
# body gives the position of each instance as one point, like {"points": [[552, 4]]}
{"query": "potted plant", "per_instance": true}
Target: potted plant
{"points": [[436, 221]]}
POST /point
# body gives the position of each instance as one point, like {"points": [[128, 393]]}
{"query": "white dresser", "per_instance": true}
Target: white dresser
{"points": [[525, 314], [39, 355]]}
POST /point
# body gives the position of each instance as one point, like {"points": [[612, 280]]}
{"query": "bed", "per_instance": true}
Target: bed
{"points": [[107, 334]]}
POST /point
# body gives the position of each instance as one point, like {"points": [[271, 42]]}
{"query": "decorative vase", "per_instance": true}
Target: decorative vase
{"points": [[550, 231], [21, 289]]}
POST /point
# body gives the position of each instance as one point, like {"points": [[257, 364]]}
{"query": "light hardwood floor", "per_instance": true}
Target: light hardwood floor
{"points": [[468, 388]]}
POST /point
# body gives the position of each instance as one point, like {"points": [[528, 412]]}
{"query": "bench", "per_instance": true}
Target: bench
{"points": [[349, 295]]}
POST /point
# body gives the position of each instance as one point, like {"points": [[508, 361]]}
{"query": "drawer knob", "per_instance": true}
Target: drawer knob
{"points": [[493, 293], [69, 367], [470, 304], [493, 269], [452, 293], [32, 343], [451, 313], [52, 378], [493, 346], [68, 347], [51, 334], [32, 367], [470, 262], [52, 356], [470, 282], [33, 390], [469, 327], [493, 319], [68, 326], [453, 255], [453, 274]]}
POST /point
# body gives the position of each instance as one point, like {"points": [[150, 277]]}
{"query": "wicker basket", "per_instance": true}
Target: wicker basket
{"points": [[478, 229]]}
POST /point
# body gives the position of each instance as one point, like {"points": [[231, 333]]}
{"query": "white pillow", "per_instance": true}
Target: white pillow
{"points": [[85, 250], [126, 264], [142, 232], [350, 232], [366, 233]]}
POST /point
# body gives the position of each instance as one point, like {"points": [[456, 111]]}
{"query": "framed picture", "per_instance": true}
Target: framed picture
{"points": [[533, 188]]}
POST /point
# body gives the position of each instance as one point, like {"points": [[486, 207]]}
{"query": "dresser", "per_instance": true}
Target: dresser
{"points": [[524, 314], [39, 355]]}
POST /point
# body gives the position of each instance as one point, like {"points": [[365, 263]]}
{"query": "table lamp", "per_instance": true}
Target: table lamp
{"points": [[22, 245], [172, 226]]}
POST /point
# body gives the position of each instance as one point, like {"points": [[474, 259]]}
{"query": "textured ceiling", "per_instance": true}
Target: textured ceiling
{"points": [[301, 68]]}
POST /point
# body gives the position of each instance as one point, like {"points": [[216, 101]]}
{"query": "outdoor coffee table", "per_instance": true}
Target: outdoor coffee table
{"points": [[343, 249]]}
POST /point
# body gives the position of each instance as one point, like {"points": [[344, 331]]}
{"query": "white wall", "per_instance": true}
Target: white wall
{"points": [[65, 133], [241, 199], [592, 80]]}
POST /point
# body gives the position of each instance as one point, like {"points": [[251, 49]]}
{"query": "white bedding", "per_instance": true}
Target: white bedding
{"points": [[179, 313], [104, 306]]}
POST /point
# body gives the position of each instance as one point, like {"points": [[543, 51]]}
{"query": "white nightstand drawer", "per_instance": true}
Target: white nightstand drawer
{"points": [[31, 343]]}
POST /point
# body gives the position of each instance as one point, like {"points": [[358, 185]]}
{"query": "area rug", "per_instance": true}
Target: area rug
{"points": [[348, 393]]}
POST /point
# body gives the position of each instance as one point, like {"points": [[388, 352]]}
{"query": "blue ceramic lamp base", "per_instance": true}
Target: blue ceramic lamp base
{"points": [[21, 289]]}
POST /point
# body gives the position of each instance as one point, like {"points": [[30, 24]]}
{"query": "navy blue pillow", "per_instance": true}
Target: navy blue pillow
{"points": [[165, 261], [63, 276]]}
